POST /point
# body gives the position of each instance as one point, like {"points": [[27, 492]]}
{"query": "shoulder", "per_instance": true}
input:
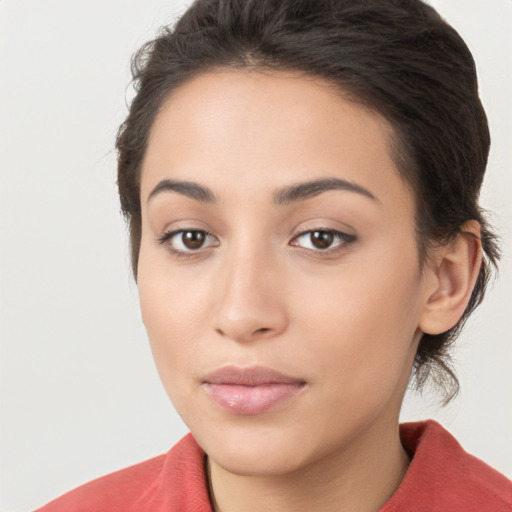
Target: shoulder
{"points": [[165, 482], [442, 476], [112, 492]]}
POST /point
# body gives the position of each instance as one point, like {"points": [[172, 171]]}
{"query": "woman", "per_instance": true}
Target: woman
{"points": [[301, 184]]}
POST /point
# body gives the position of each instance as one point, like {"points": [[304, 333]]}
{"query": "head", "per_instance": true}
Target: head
{"points": [[300, 181], [397, 58], [262, 106]]}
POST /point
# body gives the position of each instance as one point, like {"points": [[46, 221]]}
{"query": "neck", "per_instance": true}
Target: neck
{"points": [[362, 478]]}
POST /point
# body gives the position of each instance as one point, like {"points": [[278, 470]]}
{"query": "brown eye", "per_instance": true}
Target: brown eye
{"points": [[185, 241], [321, 239], [193, 239]]}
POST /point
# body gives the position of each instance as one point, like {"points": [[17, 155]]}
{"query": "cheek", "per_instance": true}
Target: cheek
{"points": [[173, 297], [165, 307], [364, 320], [174, 307]]}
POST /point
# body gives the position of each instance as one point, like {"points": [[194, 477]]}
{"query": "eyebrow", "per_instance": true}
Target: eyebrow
{"points": [[292, 193], [309, 189], [186, 188]]}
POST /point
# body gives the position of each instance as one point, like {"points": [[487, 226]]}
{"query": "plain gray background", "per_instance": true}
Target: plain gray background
{"points": [[80, 395]]}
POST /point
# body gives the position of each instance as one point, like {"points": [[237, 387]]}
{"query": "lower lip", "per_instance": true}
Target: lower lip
{"points": [[252, 400]]}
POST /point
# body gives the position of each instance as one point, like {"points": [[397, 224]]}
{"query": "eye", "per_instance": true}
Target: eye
{"points": [[188, 240], [322, 239]]}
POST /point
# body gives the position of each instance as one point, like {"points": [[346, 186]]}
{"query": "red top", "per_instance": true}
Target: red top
{"points": [[441, 477]]}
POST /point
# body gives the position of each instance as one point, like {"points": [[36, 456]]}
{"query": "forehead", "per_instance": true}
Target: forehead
{"points": [[263, 130]]}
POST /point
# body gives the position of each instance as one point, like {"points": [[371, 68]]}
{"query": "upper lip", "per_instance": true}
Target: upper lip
{"points": [[250, 376]]}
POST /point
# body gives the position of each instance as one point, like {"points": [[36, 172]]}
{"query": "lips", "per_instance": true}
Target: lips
{"points": [[250, 391]]}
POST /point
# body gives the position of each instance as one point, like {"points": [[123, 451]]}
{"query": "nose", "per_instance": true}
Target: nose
{"points": [[251, 303]]}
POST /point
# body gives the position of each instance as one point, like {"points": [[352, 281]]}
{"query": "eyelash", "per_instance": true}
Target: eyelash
{"points": [[344, 240], [166, 237]]}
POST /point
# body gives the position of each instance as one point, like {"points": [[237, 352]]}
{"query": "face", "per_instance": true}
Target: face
{"points": [[279, 276]]}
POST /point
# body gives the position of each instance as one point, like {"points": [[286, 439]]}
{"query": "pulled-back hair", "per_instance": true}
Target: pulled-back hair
{"points": [[396, 57]]}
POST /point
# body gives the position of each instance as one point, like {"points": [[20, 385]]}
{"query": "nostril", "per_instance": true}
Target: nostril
{"points": [[262, 330]]}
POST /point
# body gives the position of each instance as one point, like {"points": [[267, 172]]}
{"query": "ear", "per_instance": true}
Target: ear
{"points": [[452, 274]]}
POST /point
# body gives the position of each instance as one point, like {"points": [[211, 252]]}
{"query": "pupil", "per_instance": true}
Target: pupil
{"points": [[322, 239], [193, 239]]}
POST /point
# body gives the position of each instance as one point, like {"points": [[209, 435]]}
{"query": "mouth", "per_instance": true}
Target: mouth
{"points": [[250, 391]]}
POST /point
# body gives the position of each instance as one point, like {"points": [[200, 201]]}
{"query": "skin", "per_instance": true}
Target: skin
{"points": [[346, 321]]}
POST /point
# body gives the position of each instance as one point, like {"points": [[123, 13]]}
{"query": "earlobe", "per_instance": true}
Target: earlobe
{"points": [[454, 271]]}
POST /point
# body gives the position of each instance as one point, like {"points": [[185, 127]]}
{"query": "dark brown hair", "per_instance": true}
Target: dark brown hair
{"points": [[396, 57]]}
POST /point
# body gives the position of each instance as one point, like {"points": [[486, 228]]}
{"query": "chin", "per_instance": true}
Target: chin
{"points": [[255, 450]]}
